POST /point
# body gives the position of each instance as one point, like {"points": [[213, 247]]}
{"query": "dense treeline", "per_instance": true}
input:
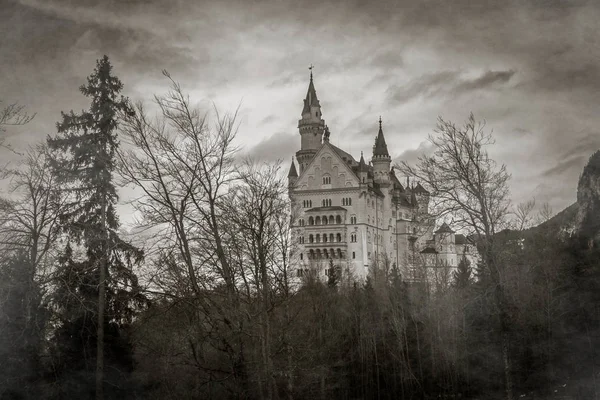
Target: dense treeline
{"points": [[200, 301]]}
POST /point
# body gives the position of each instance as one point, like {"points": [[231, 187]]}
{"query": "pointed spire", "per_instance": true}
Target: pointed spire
{"points": [[362, 166], [380, 148], [293, 173], [311, 99]]}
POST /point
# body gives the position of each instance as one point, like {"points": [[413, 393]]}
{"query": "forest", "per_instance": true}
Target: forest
{"points": [[200, 298]]}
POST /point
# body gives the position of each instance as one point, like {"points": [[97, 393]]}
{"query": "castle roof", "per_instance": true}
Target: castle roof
{"points": [[420, 189], [362, 166], [311, 99], [380, 147], [293, 173], [444, 229], [396, 181]]}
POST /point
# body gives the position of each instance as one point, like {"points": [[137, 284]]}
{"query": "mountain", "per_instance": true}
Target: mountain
{"points": [[581, 218]]}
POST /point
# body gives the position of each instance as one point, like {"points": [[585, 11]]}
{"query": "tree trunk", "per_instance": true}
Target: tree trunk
{"points": [[101, 305]]}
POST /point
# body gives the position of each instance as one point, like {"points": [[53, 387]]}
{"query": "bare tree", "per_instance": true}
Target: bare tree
{"points": [[468, 186], [544, 213], [184, 167], [523, 215], [12, 115], [29, 214]]}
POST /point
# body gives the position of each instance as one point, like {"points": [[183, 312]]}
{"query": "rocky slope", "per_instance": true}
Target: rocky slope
{"points": [[582, 217]]}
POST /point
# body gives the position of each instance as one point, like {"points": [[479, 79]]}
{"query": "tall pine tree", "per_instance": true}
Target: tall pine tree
{"points": [[83, 161]]}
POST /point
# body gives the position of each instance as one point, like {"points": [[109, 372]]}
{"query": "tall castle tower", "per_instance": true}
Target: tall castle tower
{"points": [[381, 159], [311, 127]]}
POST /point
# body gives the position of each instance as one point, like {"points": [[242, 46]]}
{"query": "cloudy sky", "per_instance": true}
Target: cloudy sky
{"points": [[531, 69]]}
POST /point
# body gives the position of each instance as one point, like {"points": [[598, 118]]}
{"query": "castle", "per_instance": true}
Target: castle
{"points": [[351, 215]]}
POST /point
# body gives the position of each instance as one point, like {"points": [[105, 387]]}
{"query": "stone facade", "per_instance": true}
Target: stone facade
{"points": [[352, 214]]}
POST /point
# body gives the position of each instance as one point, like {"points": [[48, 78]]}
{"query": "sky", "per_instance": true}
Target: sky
{"points": [[530, 69]]}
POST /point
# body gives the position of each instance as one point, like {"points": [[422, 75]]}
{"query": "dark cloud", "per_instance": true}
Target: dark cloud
{"points": [[532, 65], [565, 166], [427, 85], [411, 156], [279, 146], [486, 80], [446, 83]]}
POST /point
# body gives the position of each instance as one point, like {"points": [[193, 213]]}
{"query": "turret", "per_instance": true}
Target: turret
{"points": [[311, 127], [422, 196], [292, 175], [363, 170], [381, 159]]}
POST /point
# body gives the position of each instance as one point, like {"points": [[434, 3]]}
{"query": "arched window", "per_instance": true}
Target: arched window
{"points": [[353, 220], [353, 255], [325, 253], [331, 220], [311, 221], [338, 219], [331, 253], [344, 201], [339, 251], [339, 237], [331, 237], [324, 219], [353, 237], [318, 254], [349, 201], [326, 180], [301, 239], [311, 238], [312, 255], [324, 238], [318, 220], [318, 238]]}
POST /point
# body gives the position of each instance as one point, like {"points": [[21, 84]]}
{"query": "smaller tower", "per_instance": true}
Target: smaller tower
{"points": [[422, 196], [363, 170], [381, 159], [292, 176]]}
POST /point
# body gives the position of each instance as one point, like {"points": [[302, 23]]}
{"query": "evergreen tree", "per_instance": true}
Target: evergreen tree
{"points": [[332, 277], [463, 274], [83, 160]]}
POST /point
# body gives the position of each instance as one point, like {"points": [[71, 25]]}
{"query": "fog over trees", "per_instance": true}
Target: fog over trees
{"points": [[201, 298]]}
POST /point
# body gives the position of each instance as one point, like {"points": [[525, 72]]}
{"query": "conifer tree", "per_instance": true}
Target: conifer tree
{"points": [[83, 160], [463, 274]]}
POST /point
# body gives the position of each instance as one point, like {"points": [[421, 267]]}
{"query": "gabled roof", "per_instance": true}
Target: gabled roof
{"points": [[336, 151], [311, 97], [293, 173], [380, 149], [444, 229], [420, 189], [345, 156]]}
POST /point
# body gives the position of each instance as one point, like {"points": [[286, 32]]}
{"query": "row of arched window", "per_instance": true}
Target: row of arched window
{"points": [[347, 201], [325, 253], [317, 238], [306, 203], [326, 202], [324, 220], [326, 180], [318, 255]]}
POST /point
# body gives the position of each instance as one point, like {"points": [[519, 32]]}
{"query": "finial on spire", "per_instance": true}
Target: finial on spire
{"points": [[311, 69], [380, 122]]}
